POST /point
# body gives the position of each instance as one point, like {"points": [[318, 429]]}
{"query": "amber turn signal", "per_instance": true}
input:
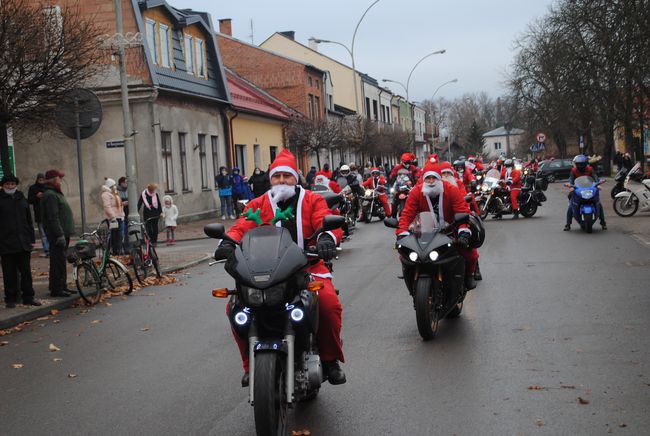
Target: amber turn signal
{"points": [[315, 286], [220, 293]]}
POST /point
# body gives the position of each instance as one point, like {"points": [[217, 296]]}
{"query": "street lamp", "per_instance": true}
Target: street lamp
{"points": [[351, 52], [432, 97]]}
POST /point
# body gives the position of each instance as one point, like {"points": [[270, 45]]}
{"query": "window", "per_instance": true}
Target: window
{"points": [[368, 108], [374, 109], [240, 150], [168, 167], [189, 54], [317, 107], [214, 142], [331, 102], [310, 81], [183, 153], [151, 40], [317, 84], [257, 155], [273, 150], [200, 58], [311, 106], [204, 162], [165, 56], [555, 164], [497, 146]]}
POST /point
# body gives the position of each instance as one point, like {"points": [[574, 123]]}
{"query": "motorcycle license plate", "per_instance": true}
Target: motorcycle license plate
{"points": [[366, 203], [587, 209], [402, 196]]}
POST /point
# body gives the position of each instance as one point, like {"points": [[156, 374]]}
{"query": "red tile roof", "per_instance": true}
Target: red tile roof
{"points": [[247, 97]]}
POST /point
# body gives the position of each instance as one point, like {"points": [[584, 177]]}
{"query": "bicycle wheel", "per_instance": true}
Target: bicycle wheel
{"points": [[139, 267], [154, 260], [88, 283], [117, 275]]}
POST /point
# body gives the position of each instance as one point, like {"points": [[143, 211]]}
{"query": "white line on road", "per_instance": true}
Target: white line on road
{"points": [[642, 240]]}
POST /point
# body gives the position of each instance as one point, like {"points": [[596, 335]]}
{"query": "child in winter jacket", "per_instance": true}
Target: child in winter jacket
{"points": [[170, 215]]}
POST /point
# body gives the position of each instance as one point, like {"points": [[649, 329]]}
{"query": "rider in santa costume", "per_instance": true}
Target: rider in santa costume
{"points": [[512, 176], [378, 182], [310, 209]]}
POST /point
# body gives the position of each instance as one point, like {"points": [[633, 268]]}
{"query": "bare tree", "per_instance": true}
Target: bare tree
{"points": [[314, 136]]}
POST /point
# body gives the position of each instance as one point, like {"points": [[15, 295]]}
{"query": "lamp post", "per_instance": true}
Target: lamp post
{"points": [[433, 103], [351, 52]]}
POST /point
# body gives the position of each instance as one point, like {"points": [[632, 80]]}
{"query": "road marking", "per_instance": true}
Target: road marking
{"points": [[642, 240]]}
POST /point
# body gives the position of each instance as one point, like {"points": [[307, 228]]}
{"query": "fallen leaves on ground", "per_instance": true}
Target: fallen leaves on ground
{"points": [[56, 321], [43, 318], [17, 365], [72, 375], [3, 343], [53, 347], [568, 387], [54, 312], [582, 400], [17, 328], [57, 359], [300, 433], [145, 329], [539, 423], [96, 321], [536, 388]]}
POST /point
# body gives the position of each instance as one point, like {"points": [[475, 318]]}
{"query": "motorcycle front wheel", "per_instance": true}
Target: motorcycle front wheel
{"points": [[589, 219], [617, 189], [626, 206], [483, 209], [426, 314], [270, 395], [529, 209]]}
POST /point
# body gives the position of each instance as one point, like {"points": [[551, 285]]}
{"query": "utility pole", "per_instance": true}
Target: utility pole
{"points": [[129, 147]]}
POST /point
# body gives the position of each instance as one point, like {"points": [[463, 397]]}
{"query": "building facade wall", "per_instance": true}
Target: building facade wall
{"points": [[495, 146], [265, 133]]}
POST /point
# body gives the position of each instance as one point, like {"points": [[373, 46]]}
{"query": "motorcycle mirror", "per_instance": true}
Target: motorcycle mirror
{"points": [[461, 218], [567, 185], [468, 198], [215, 230], [391, 222], [601, 181], [332, 222]]}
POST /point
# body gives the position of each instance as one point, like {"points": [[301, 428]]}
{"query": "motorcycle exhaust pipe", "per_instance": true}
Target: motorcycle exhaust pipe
{"points": [[290, 341]]}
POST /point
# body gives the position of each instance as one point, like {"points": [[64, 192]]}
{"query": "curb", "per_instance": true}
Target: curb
{"points": [[69, 301]]}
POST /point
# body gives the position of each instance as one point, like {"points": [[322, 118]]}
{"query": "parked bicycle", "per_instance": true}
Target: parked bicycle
{"points": [[93, 277], [143, 253]]}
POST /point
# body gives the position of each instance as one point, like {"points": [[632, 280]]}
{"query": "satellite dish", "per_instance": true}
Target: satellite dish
{"points": [[86, 105]]}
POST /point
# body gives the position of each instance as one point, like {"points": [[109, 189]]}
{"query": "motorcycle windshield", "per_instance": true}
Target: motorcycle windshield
{"points": [[424, 222], [584, 182], [267, 256], [342, 181]]}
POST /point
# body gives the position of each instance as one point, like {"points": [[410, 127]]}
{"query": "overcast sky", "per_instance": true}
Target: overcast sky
{"points": [[477, 34]]}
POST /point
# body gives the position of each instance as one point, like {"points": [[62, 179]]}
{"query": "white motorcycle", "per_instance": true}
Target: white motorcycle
{"points": [[637, 194]]}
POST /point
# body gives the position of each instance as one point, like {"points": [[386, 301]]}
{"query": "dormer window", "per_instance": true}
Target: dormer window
{"points": [[189, 53], [200, 58], [164, 45], [152, 41]]}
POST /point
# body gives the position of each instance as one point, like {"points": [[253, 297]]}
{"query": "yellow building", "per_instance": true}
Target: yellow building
{"points": [[342, 76], [257, 125]]}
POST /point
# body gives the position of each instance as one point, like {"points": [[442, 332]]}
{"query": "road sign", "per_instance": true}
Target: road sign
{"points": [[582, 142], [541, 137], [12, 164]]}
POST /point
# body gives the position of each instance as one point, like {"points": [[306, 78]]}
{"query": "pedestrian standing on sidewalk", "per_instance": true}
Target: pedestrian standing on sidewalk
{"points": [[16, 243], [122, 186], [113, 213], [224, 183], [151, 211], [170, 215], [59, 225], [260, 182], [34, 196]]}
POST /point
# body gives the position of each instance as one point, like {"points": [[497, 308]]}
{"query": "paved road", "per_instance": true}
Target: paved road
{"points": [[564, 312]]}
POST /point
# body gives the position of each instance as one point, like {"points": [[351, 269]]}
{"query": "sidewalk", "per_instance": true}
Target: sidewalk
{"points": [[183, 255]]}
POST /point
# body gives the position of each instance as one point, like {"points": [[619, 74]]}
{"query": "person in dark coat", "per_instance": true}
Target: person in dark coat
{"points": [[58, 224], [311, 175], [151, 210], [16, 243], [122, 190], [34, 196], [223, 182], [259, 182]]}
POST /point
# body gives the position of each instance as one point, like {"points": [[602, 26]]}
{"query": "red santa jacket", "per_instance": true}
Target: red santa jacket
{"points": [[312, 208], [327, 174], [453, 202], [468, 178], [479, 166], [514, 174], [370, 184], [335, 187], [414, 172]]}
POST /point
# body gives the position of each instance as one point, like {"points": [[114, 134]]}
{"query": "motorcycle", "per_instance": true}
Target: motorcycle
{"points": [[400, 191], [619, 186], [495, 196], [347, 208], [585, 201], [371, 206], [275, 307], [636, 196], [437, 281]]}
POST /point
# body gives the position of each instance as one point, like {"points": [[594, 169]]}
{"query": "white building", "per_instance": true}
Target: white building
{"points": [[497, 140]]}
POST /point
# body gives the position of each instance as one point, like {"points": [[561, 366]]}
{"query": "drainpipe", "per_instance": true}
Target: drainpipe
{"points": [[230, 149]]}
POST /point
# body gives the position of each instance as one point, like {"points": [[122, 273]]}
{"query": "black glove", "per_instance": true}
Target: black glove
{"points": [[326, 247], [225, 250], [509, 182], [60, 241], [463, 239]]}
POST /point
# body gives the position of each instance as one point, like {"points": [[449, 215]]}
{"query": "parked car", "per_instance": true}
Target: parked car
{"points": [[556, 169]]}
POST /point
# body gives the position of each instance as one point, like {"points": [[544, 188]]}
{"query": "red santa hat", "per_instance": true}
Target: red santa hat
{"points": [[285, 162], [433, 158], [431, 169], [446, 166]]}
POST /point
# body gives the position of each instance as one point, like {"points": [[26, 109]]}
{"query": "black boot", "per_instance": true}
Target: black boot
{"points": [[567, 227], [603, 225], [332, 370], [516, 215], [244, 380], [477, 274], [470, 283]]}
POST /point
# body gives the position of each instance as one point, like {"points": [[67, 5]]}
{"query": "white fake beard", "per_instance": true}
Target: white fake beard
{"points": [[282, 192], [450, 179], [433, 190]]}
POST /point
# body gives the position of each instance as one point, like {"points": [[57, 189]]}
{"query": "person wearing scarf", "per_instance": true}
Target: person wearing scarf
{"points": [[444, 201], [151, 207], [113, 213]]}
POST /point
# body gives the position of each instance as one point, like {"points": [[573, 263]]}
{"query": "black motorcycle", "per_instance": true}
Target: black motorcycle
{"points": [[619, 179], [495, 196], [371, 206], [434, 271], [275, 308]]}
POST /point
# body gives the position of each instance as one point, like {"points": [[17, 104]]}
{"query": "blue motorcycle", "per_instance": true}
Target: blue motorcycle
{"points": [[585, 201]]}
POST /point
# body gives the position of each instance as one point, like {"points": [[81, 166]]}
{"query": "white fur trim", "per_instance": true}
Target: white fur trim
{"points": [[431, 173], [331, 234], [322, 276], [465, 230], [284, 169]]}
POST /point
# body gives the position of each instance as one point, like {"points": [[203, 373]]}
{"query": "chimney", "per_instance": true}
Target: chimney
{"points": [[289, 34], [313, 44], [225, 26]]}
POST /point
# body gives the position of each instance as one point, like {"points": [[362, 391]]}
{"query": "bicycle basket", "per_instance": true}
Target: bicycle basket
{"points": [[71, 255], [85, 250]]}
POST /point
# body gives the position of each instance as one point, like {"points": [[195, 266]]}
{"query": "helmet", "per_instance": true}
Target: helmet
{"points": [[509, 163], [406, 158], [353, 166], [459, 165], [375, 171], [344, 170], [580, 161], [471, 159]]}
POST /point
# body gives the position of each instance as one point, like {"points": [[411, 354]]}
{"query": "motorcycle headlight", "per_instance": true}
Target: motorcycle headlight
{"points": [[479, 177], [392, 190], [368, 193], [587, 194], [413, 256], [485, 188], [253, 297], [434, 255]]}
